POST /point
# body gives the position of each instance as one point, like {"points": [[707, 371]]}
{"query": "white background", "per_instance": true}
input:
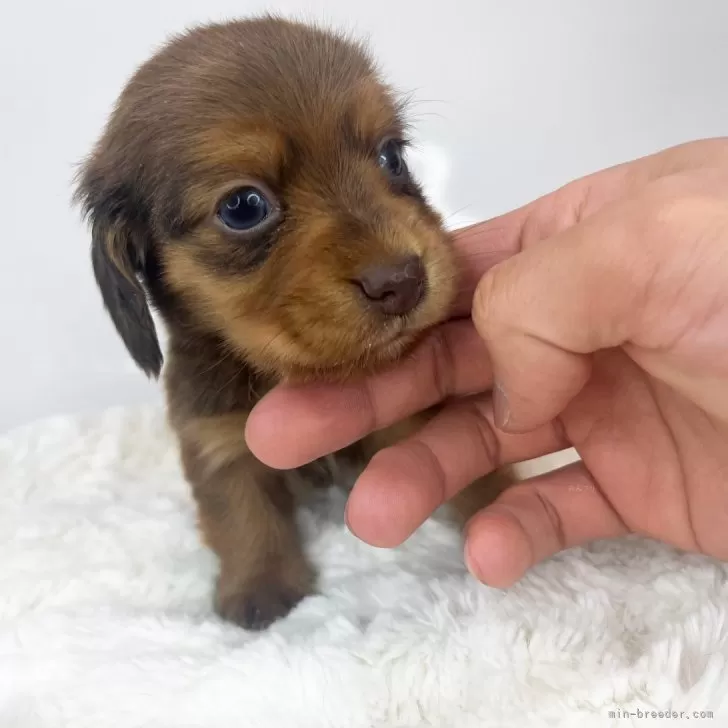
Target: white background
{"points": [[515, 98]]}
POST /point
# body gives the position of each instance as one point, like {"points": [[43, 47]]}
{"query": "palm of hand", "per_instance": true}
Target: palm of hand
{"points": [[667, 481]]}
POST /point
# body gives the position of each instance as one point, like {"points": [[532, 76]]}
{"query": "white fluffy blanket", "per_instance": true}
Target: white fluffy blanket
{"points": [[105, 615]]}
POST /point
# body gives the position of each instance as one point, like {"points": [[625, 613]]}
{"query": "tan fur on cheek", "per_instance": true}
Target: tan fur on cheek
{"points": [[233, 309]]}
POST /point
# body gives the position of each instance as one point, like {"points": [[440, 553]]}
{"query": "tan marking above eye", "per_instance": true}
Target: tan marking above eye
{"points": [[238, 143], [374, 112], [229, 155]]}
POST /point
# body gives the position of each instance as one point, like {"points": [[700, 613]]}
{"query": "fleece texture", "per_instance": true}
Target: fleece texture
{"points": [[106, 620]]}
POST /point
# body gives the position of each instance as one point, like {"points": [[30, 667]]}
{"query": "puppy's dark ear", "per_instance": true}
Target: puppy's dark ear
{"points": [[122, 259]]}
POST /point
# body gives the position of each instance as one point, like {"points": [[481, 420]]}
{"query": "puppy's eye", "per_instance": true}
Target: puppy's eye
{"points": [[245, 209], [391, 160]]}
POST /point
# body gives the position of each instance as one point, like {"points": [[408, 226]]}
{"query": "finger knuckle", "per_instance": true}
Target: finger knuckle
{"points": [[436, 478], [553, 518], [480, 417], [679, 201], [441, 365], [489, 303]]}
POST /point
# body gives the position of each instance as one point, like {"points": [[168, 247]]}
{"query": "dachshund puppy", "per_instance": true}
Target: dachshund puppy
{"points": [[251, 186]]}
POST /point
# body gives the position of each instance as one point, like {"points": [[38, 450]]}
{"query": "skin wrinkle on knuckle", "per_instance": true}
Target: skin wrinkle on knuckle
{"points": [[484, 309], [581, 204], [555, 212], [489, 441], [529, 231], [554, 520], [441, 364], [373, 421], [423, 454]]}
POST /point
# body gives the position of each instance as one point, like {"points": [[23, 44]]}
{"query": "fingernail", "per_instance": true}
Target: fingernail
{"points": [[501, 409], [472, 564]]}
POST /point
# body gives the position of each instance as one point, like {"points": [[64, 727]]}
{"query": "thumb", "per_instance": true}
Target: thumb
{"points": [[544, 311]]}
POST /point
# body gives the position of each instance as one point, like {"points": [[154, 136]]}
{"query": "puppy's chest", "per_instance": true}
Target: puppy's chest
{"points": [[339, 470], [342, 468]]}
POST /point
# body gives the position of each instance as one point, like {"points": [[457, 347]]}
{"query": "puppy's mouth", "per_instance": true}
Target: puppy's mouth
{"points": [[374, 352]]}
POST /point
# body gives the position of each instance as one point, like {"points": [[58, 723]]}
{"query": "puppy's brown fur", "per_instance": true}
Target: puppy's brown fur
{"points": [[299, 113]]}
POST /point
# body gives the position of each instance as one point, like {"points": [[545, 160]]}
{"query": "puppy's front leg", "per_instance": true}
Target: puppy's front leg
{"points": [[246, 515]]}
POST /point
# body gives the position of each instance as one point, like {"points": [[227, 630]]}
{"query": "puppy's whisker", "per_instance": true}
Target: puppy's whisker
{"points": [[217, 363], [451, 215], [426, 115], [267, 351]]}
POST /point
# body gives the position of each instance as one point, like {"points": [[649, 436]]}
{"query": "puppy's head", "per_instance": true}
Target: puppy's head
{"points": [[252, 181]]}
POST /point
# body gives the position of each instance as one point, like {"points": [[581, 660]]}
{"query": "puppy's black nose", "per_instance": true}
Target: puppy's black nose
{"points": [[396, 288]]}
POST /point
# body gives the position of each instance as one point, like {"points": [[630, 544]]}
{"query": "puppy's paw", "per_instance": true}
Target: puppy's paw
{"points": [[259, 603]]}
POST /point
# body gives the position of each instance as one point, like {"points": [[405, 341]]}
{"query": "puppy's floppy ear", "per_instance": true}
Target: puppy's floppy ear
{"points": [[122, 259]]}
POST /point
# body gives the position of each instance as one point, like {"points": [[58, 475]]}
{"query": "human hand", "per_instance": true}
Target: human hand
{"points": [[601, 312]]}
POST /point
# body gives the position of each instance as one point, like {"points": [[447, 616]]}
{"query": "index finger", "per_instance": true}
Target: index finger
{"points": [[292, 426], [481, 246]]}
